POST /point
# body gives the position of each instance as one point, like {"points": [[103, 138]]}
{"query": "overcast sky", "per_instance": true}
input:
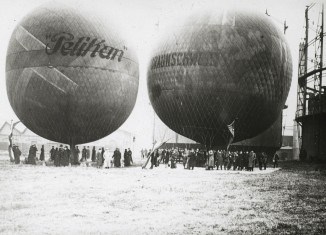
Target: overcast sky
{"points": [[142, 21]]}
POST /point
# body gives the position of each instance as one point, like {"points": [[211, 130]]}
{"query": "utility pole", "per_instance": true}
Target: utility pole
{"points": [[306, 60], [321, 79], [153, 126]]}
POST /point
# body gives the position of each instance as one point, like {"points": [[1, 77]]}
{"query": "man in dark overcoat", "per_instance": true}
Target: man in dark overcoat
{"points": [[117, 158], [17, 153], [56, 157], [52, 153], [83, 155], [130, 156]]}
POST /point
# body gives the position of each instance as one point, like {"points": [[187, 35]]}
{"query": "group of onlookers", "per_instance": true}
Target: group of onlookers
{"points": [[221, 159], [236, 160], [170, 157], [63, 156]]}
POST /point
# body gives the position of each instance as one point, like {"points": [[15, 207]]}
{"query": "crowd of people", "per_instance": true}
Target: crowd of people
{"points": [[63, 156], [190, 158], [221, 159]]}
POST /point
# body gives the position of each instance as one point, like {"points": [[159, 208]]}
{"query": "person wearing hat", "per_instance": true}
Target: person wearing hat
{"points": [[219, 160], [102, 154], [67, 154], [52, 153], [61, 156], [192, 159], [153, 159], [17, 153], [56, 157], [93, 154], [116, 158], [125, 158], [88, 153], [251, 162], [174, 157], [83, 154], [32, 155], [76, 155], [42, 153], [99, 158], [130, 157]]}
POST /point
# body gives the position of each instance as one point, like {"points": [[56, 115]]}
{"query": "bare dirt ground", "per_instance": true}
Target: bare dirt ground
{"points": [[77, 200]]}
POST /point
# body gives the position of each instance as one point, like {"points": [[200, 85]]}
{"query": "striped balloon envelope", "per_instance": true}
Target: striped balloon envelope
{"points": [[70, 78], [218, 69]]}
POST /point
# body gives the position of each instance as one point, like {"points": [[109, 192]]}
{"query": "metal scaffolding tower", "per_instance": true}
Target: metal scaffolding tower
{"points": [[311, 98]]}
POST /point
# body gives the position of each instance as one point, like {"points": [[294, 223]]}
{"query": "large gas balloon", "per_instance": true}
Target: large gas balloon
{"points": [[69, 78], [217, 68]]}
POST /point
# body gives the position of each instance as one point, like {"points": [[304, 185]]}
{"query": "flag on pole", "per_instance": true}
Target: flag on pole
{"points": [[231, 136], [231, 128]]}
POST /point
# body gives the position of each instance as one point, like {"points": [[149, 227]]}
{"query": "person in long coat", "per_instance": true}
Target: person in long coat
{"points": [[117, 158], [210, 160], [130, 156], [32, 155], [88, 153], [84, 153], [56, 157], [226, 159], [106, 159], [235, 160], [246, 160], [265, 158], [42, 153], [77, 153], [102, 153], [153, 159], [72, 154], [167, 156], [64, 157], [275, 160], [93, 154], [125, 158], [251, 161], [52, 153], [99, 158], [260, 160], [17, 153], [185, 159], [241, 160], [192, 159], [174, 157], [67, 156], [219, 160]]}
